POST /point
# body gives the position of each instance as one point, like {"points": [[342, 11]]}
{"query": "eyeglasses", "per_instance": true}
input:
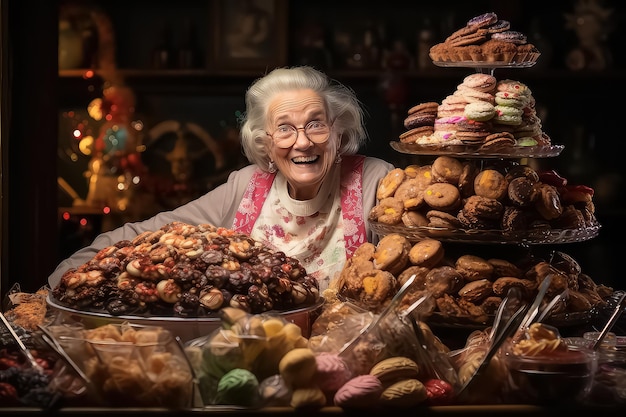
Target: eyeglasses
{"points": [[286, 135]]}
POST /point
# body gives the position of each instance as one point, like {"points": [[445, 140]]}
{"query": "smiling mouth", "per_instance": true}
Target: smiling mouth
{"points": [[305, 159]]}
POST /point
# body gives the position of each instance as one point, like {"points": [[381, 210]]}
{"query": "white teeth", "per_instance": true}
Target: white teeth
{"points": [[304, 159]]}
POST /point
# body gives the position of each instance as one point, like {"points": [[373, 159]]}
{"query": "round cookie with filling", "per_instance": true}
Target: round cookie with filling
{"points": [[491, 183], [442, 196]]}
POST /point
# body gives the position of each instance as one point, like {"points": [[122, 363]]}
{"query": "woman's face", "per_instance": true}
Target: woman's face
{"points": [[305, 164]]}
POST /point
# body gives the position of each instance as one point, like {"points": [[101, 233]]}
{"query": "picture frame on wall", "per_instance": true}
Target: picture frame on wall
{"points": [[249, 35]]}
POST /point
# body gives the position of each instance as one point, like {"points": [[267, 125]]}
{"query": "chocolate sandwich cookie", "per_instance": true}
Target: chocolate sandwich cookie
{"points": [[419, 119], [500, 143], [512, 36], [414, 218], [474, 268], [438, 218]]}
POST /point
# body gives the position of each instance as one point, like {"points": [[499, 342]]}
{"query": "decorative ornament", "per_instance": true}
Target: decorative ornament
{"points": [[592, 24]]}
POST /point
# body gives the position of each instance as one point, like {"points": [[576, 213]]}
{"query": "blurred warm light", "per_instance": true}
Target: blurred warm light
{"points": [[66, 215], [106, 209], [83, 222]]}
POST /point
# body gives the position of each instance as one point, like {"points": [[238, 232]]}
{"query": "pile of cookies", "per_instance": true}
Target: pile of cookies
{"points": [[501, 196], [483, 114], [468, 286]]}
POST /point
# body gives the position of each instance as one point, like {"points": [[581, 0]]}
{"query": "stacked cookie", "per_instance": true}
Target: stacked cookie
{"points": [[485, 38], [483, 113]]}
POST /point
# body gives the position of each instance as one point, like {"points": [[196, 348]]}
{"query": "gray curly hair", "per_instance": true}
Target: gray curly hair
{"points": [[342, 106]]}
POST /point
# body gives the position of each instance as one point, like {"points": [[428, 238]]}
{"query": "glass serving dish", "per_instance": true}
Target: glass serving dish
{"points": [[488, 236], [561, 320], [467, 151], [484, 64]]}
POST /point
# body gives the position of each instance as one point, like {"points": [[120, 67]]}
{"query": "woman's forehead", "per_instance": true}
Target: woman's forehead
{"points": [[295, 101]]}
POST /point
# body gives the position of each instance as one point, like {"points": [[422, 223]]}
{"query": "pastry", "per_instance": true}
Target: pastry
{"points": [[476, 291], [446, 169], [426, 253], [298, 367], [490, 183], [238, 387], [466, 179], [360, 392], [405, 393], [377, 289], [504, 268], [331, 372], [392, 253], [442, 196], [388, 211], [411, 193], [438, 218], [413, 218], [415, 134], [308, 397], [394, 369], [480, 81], [547, 201], [479, 110], [473, 268], [389, 183], [481, 213], [442, 280]]}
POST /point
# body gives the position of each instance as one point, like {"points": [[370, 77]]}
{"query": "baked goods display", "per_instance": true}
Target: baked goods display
{"points": [[485, 38], [184, 270], [495, 200]]}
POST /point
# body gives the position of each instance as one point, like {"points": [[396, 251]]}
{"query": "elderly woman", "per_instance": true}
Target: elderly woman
{"points": [[306, 193]]}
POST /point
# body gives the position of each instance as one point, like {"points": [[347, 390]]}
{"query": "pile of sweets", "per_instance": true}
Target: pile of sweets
{"points": [[187, 270]]}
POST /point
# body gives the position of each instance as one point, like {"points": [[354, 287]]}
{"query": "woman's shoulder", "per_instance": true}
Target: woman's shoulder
{"points": [[374, 163]]}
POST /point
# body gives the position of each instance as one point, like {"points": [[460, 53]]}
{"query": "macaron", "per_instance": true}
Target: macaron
{"points": [[479, 111], [507, 115]]}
